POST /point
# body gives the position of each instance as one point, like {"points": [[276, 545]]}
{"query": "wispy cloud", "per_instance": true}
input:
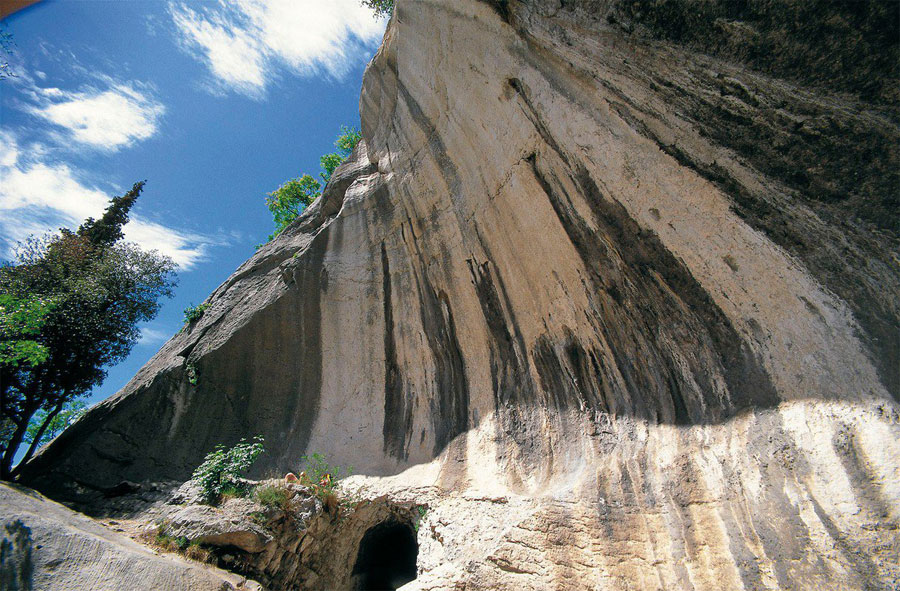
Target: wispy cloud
{"points": [[245, 42], [39, 195], [107, 120], [152, 336]]}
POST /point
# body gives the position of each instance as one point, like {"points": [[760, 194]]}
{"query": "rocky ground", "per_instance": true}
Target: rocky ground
{"points": [[46, 546], [289, 536]]}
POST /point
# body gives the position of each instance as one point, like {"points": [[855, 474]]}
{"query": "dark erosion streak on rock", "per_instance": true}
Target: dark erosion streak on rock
{"points": [[646, 261], [452, 412], [509, 369], [573, 377], [509, 366], [847, 278], [450, 406], [629, 324], [747, 380], [448, 169], [397, 410]]}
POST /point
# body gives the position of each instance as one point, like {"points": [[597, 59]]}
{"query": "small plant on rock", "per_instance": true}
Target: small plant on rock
{"points": [[221, 470], [194, 313], [190, 371], [421, 512], [323, 479], [166, 542], [319, 474], [273, 496], [198, 552]]}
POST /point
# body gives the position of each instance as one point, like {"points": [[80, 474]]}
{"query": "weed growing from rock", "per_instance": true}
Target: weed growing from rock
{"points": [[190, 370], [322, 479], [421, 512], [273, 496], [194, 313], [166, 542], [319, 475], [221, 470]]}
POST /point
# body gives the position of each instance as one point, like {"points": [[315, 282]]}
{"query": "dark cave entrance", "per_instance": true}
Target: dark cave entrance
{"points": [[387, 557]]}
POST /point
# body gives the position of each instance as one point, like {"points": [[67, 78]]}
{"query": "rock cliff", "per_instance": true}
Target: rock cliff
{"points": [[613, 285]]}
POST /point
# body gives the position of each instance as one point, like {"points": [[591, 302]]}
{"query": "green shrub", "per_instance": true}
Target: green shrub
{"points": [[274, 496], [190, 371], [182, 545], [196, 551], [168, 542], [322, 478], [221, 470], [317, 473], [421, 512], [194, 313]]}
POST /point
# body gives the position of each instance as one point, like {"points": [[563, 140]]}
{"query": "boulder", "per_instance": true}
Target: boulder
{"points": [[230, 525], [50, 547]]}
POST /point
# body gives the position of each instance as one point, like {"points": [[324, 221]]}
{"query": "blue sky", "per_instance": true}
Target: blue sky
{"points": [[214, 103]]}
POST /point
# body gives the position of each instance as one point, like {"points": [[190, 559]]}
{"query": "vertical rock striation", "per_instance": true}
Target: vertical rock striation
{"points": [[620, 297]]}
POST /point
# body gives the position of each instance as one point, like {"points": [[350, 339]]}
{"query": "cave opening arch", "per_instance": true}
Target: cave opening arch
{"points": [[387, 557]]}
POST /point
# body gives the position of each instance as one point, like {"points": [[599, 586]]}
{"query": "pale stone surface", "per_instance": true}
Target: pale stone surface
{"points": [[610, 307], [209, 525], [49, 547], [301, 544]]}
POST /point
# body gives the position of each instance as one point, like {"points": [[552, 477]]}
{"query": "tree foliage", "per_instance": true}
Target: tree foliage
{"points": [[21, 320], [289, 200], [71, 412], [347, 140], [381, 7], [71, 303], [222, 468]]}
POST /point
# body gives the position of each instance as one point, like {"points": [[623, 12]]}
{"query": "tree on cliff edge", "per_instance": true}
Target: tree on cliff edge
{"points": [[381, 7], [69, 308], [289, 200]]}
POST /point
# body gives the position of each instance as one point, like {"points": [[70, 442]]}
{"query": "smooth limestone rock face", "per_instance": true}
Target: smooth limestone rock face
{"points": [[46, 546], [624, 312]]}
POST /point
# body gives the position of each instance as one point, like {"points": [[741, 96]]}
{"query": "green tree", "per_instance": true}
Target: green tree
{"points": [[20, 321], [289, 200], [381, 7], [70, 413], [346, 142], [75, 301], [329, 163]]}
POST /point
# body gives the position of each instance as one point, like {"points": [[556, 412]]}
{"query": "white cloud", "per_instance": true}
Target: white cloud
{"points": [[185, 248], [233, 55], [106, 120], [38, 196], [152, 336], [243, 42]]}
